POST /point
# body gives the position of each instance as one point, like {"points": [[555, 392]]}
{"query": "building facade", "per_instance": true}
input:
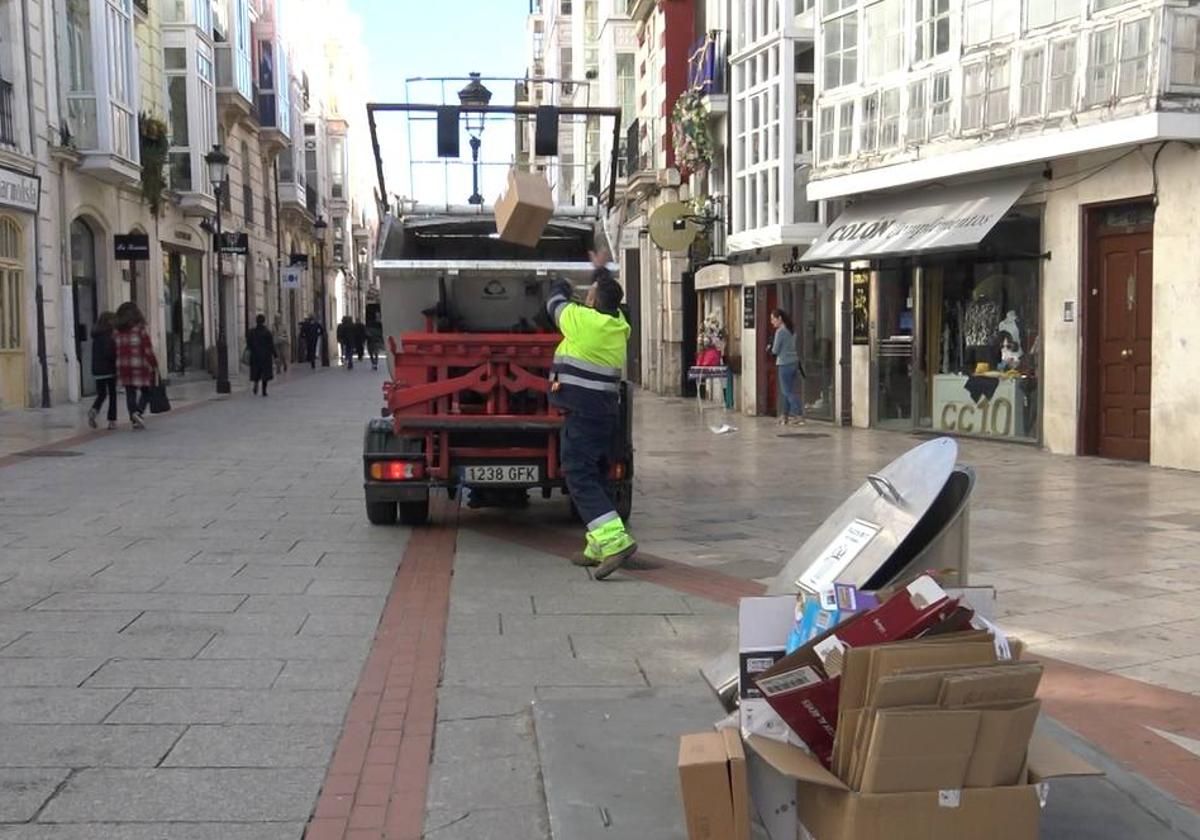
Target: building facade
{"points": [[1019, 174], [107, 110]]}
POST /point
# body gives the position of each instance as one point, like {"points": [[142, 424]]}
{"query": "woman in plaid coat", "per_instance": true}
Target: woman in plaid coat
{"points": [[137, 366]]}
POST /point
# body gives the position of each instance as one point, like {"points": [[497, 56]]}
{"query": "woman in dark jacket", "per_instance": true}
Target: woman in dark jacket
{"points": [[104, 369], [261, 345]]}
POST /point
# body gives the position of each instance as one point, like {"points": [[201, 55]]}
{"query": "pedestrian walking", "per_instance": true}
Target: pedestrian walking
{"points": [[585, 384], [345, 340], [787, 365], [137, 366], [104, 369], [282, 343], [261, 345], [311, 334], [374, 340], [360, 339]]}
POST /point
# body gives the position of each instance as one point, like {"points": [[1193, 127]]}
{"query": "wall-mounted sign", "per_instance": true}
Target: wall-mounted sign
{"points": [[748, 307], [131, 247], [794, 266], [18, 190], [860, 306], [299, 260], [232, 243], [183, 236], [291, 277]]}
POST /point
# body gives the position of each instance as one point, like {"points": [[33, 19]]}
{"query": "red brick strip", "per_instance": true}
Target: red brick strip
{"points": [[376, 785]]}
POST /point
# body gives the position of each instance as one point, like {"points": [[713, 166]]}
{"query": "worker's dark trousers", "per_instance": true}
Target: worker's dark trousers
{"points": [[586, 444]]}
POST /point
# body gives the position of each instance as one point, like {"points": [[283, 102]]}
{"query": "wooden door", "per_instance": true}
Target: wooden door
{"points": [[1121, 297]]}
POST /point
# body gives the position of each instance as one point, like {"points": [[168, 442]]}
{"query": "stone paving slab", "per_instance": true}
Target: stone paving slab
{"points": [[231, 706], [23, 792], [185, 673], [156, 831], [238, 745], [57, 705], [77, 746]]}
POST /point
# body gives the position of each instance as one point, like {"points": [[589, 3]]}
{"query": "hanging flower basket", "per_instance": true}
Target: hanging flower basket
{"points": [[689, 126], [155, 143]]}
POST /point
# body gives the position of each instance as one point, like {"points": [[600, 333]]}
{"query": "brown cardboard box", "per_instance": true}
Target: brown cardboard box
{"points": [[716, 794], [524, 209], [830, 811], [922, 749], [1002, 744]]}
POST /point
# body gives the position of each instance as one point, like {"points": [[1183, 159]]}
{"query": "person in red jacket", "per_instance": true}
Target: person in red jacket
{"points": [[137, 366]]}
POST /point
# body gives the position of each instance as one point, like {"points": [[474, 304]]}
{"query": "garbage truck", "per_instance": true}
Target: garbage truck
{"points": [[466, 406]]}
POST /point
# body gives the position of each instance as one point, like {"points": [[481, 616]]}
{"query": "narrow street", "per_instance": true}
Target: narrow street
{"points": [[201, 636]]}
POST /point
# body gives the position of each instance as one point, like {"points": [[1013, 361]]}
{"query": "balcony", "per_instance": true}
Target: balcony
{"points": [[8, 129], [292, 184], [273, 87], [707, 71], [235, 90]]}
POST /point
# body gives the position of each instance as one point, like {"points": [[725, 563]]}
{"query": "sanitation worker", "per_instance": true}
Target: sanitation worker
{"points": [[585, 384]]}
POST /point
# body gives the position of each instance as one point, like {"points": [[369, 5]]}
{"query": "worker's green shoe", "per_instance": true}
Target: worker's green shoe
{"points": [[591, 554], [615, 551]]}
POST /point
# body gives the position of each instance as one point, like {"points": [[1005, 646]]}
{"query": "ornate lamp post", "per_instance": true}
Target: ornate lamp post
{"points": [[218, 165], [319, 228], [475, 95]]}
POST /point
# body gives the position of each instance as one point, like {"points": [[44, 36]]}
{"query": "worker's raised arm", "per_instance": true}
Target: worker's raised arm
{"points": [[560, 299]]}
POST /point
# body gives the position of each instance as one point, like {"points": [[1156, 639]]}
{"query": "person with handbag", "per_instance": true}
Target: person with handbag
{"points": [[137, 366], [260, 346]]}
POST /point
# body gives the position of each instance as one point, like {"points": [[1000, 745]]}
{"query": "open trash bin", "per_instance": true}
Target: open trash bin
{"points": [[911, 515]]}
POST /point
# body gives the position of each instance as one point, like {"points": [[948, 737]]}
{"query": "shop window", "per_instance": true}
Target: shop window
{"points": [[989, 20], [1062, 75], [1040, 13], [1185, 51], [12, 310], [1102, 66], [918, 105], [889, 119], [841, 51], [1134, 75], [933, 28], [885, 38], [939, 112], [1033, 71]]}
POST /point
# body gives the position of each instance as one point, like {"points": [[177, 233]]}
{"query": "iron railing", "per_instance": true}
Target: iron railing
{"points": [[8, 129]]}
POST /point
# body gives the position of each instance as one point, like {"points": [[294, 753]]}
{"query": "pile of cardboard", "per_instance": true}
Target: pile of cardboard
{"points": [[911, 718]]}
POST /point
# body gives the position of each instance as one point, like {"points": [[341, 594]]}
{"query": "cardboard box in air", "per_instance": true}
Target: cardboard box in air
{"points": [[712, 780], [763, 626], [829, 810], [524, 209]]}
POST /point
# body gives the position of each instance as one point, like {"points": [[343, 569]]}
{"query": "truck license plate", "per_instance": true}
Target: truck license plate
{"points": [[501, 474]]}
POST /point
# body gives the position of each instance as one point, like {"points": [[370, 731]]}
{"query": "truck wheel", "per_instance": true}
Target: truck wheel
{"points": [[381, 513], [622, 495], [414, 513]]}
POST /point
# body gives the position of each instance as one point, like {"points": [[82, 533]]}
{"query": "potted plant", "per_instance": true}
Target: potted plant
{"points": [[155, 143]]}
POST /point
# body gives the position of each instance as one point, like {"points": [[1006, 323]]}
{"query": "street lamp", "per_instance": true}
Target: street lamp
{"points": [[475, 96], [218, 166], [319, 228]]}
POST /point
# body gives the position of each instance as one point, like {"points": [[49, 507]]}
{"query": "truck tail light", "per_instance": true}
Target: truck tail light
{"points": [[397, 470], [617, 471]]}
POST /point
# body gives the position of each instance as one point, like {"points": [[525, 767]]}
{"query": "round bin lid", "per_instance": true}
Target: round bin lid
{"points": [[859, 537]]}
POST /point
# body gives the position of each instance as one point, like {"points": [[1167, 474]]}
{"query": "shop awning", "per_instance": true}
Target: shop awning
{"points": [[932, 219]]}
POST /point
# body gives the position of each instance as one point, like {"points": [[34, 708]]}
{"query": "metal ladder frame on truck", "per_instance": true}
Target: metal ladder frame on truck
{"points": [[429, 437]]}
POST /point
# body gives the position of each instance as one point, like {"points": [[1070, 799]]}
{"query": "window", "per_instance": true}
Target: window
{"points": [[122, 78], [989, 20], [997, 107], [973, 95], [885, 38], [565, 70], [179, 157], [841, 52], [933, 28], [1033, 69], [12, 309], [1134, 76], [564, 7], [827, 130], [845, 129], [1045, 12], [268, 211], [868, 138], [191, 113], [337, 167], [1102, 66], [832, 7], [247, 187], [889, 119], [939, 112], [626, 89], [81, 80], [1185, 51], [1062, 75], [918, 104]]}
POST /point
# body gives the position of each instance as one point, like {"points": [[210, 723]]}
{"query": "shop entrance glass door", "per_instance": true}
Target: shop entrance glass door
{"points": [[810, 302], [86, 305], [185, 311], [895, 348]]}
